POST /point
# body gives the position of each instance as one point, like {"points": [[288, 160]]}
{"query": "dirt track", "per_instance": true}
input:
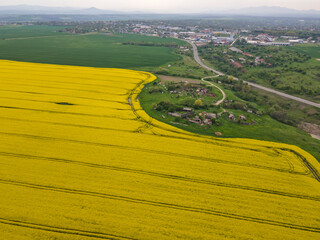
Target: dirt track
{"points": [[178, 79]]}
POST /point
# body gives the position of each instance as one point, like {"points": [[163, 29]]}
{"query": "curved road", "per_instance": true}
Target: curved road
{"points": [[223, 93], [196, 57]]}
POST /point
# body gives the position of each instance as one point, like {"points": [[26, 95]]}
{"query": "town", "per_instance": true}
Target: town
{"points": [[200, 34]]}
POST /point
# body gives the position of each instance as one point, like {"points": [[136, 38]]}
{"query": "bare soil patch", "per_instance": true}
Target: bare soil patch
{"points": [[312, 129], [177, 79]]}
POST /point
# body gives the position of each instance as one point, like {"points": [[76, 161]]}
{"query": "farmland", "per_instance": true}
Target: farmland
{"points": [[94, 50], [16, 31], [311, 50], [80, 159]]}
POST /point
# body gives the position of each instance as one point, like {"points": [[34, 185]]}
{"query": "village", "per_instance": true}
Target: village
{"points": [[186, 103]]}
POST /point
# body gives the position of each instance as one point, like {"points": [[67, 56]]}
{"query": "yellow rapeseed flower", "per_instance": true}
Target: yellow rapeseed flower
{"points": [[80, 159]]}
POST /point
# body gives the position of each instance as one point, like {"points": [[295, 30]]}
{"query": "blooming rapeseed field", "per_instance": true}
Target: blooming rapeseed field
{"points": [[80, 159]]}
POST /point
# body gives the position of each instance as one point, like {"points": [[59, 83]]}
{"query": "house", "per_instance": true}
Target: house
{"points": [[211, 115], [233, 49], [202, 91], [247, 54], [187, 109], [243, 118], [196, 120], [185, 115], [231, 116], [207, 122], [274, 44], [237, 65], [174, 114], [242, 60]]}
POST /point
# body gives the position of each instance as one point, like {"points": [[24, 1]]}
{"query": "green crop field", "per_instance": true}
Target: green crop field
{"points": [[311, 50], [19, 31], [94, 50]]}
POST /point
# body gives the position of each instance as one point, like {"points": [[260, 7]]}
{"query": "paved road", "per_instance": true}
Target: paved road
{"points": [[196, 57], [234, 41]]}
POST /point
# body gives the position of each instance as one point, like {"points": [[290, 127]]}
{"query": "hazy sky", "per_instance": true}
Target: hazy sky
{"points": [[170, 5]]}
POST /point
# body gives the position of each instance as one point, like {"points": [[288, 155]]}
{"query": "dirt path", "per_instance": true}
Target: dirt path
{"points": [[178, 79], [211, 84]]}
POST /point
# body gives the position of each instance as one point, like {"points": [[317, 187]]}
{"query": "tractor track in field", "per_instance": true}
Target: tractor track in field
{"points": [[148, 124], [291, 170], [75, 89], [163, 205], [70, 124], [63, 230], [76, 104], [45, 73], [162, 175], [148, 200], [112, 86], [303, 160], [63, 95], [313, 171], [70, 113], [138, 149]]}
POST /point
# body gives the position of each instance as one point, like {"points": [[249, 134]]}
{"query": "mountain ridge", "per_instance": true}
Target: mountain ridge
{"points": [[263, 11]]}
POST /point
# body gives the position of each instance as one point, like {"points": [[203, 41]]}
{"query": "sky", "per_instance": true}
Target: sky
{"points": [[170, 5]]}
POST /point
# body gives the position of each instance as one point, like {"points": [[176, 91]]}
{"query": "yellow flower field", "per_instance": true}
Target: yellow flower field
{"points": [[80, 159]]}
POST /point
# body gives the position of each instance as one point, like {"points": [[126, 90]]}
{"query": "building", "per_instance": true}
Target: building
{"points": [[231, 116], [237, 65], [296, 41], [211, 115], [233, 49], [274, 44], [174, 114], [207, 122], [243, 118]]}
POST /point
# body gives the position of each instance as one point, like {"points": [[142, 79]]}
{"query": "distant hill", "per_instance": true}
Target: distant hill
{"points": [[266, 11], [252, 11], [27, 9]]}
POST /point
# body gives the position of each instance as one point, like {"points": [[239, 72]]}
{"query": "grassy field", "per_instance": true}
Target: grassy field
{"points": [[96, 50], [19, 31], [311, 49], [186, 67], [267, 128], [82, 160]]}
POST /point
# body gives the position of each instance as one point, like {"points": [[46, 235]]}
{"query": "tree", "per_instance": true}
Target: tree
{"points": [[230, 78], [198, 103]]}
